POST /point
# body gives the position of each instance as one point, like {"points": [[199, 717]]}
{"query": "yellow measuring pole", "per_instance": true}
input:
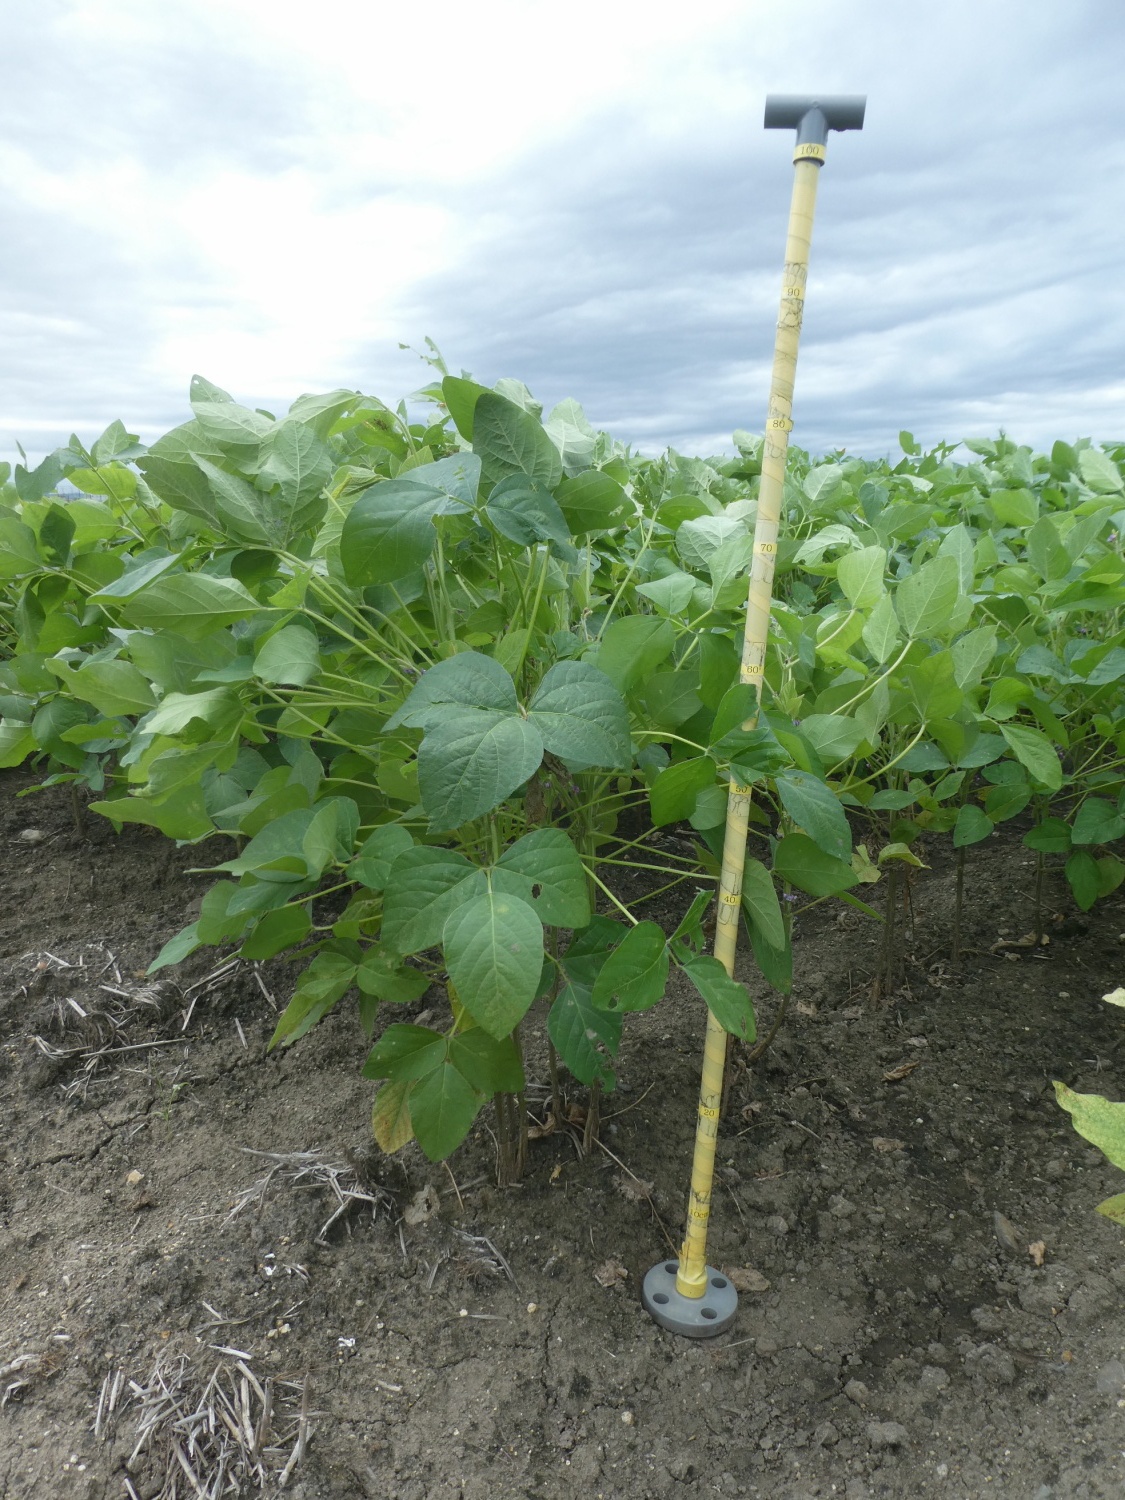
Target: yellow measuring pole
{"points": [[700, 1302], [691, 1279]]}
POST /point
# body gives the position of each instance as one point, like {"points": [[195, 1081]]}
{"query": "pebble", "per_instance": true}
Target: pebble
{"points": [[628, 1418], [777, 1225], [31, 835], [887, 1434], [765, 1346], [825, 1436], [991, 1364], [933, 1378], [856, 1391]]}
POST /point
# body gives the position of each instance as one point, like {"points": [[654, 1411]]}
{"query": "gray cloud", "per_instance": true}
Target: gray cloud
{"points": [[966, 270]]}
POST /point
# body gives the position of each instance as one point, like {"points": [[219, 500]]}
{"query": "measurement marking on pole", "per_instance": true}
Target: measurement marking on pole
{"points": [[797, 292], [699, 1215], [707, 1113], [780, 424], [731, 900], [810, 151], [738, 790], [765, 549], [754, 669]]}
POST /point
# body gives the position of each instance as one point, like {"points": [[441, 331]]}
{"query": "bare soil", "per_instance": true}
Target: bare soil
{"points": [[443, 1337]]}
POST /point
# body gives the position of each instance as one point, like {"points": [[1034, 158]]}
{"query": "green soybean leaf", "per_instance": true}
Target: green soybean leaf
{"points": [[385, 977], [635, 974], [443, 1106], [181, 814], [593, 501], [1084, 877], [457, 477], [509, 440], [1099, 473], [584, 1034], [290, 656], [190, 604], [1097, 822], [221, 417], [972, 655], [672, 593], [814, 807], [526, 513], [1045, 550], [759, 901], [833, 736], [581, 716], [673, 794], [545, 871], [468, 765], [727, 1000], [494, 951], [738, 705], [240, 507], [804, 864], [1111, 873], [971, 826], [375, 856], [19, 553], [1051, 836], [425, 886], [690, 928], [776, 963], [56, 532], [1099, 1121], [389, 532], [327, 978], [134, 578], [177, 948], [276, 931], [299, 465], [490, 1064], [1014, 507], [632, 648], [16, 743], [957, 543], [860, 576], [275, 853], [671, 698], [590, 948], [881, 632], [468, 679], [924, 600], [1034, 750], [405, 1052], [461, 397], [214, 706], [113, 687]]}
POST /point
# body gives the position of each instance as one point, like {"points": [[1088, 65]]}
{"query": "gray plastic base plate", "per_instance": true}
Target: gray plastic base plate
{"points": [[695, 1317]]}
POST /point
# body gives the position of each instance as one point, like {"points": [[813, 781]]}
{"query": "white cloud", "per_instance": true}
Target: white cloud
{"points": [[276, 194]]}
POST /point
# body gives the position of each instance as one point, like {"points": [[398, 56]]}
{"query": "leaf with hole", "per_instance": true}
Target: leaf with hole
{"points": [[585, 1036], [635, 974]]}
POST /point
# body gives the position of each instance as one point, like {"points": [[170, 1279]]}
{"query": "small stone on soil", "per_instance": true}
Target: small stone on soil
{"points": [[887, 1434]]}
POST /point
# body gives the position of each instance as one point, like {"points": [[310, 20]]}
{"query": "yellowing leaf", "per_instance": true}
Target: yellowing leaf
{"points": [[390, 1118]]}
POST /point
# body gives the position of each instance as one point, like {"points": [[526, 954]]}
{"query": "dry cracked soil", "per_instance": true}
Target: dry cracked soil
{"points": [[212, 1283]]}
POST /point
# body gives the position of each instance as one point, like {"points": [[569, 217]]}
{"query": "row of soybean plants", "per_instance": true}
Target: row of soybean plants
{"points": [[421, 672]]}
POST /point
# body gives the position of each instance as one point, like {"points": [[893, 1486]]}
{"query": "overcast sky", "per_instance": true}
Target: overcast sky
{"points": [[582, 197]]}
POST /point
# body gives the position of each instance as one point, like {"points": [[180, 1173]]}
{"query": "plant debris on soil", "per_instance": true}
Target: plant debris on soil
{"points": [[212, 1283]]}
